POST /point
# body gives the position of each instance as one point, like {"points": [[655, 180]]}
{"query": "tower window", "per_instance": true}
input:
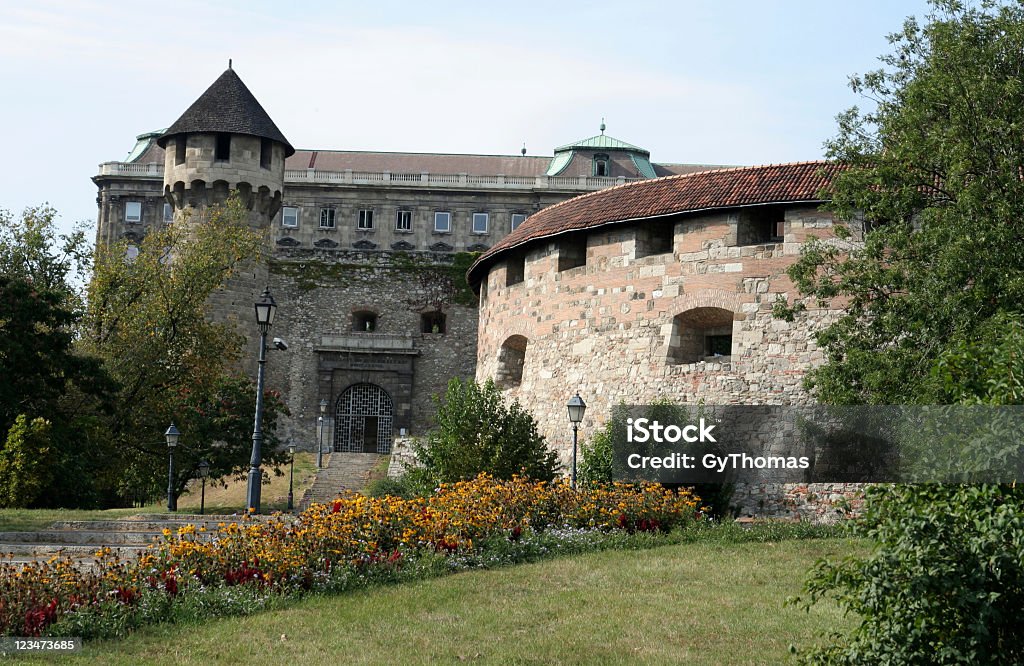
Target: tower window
{"points": [[403, 221], [515, 270], [222, 148], [365, 219], [133, 212], [701, 334], [601, 164], [511, 361], [364, 321], [179, 150], [442, 221], [761, 225], [168, 213], [326, 218], [572, 252], [655, 238], [289, 217], [479, 223], [266, 152], [517, 219], [432, 322]]}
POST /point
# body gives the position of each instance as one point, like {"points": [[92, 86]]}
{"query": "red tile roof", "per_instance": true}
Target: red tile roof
{"points": [[707, 190]]}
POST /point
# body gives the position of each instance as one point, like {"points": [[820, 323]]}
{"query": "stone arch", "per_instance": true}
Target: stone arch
{"points": [[221, 191], [701, 333], [511, 361], [363, 418]]}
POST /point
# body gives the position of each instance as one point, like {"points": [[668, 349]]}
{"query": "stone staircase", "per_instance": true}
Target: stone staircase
{"points": [[344, 471], [80, 540]]}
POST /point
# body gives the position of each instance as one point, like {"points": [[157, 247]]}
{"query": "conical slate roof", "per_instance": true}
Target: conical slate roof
{"points": [[227, 106]]}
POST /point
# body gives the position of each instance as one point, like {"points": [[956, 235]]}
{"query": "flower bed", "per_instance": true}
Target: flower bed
{"points": [[244, 565]]}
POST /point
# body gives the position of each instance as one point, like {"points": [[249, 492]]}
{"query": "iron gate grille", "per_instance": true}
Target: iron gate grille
{"points": [[361, 409]]}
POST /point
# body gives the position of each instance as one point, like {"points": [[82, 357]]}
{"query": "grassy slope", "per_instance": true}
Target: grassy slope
{"points": [[228, 500], [704, 603]]}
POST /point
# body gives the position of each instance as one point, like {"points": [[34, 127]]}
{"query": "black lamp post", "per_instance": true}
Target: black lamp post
{"points": [[320, 434], [266, 308], [576, 408], [172, 436], [291, 477], [204, 471]]}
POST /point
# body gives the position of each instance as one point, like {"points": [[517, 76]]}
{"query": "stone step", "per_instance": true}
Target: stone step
{"points": [[348, 471], [80, 537], [39, 551]]}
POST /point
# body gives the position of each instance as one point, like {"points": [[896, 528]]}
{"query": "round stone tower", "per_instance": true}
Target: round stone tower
{"points": [[226, 142]]}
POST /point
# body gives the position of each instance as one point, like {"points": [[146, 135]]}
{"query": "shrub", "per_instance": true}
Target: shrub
{"points": [[24, 471], [596, 458], [477, 432], [388, 487], [944, 585]]}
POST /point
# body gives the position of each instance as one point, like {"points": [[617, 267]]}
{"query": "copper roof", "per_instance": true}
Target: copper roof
{"points": [[227, 106], [707, 190]]}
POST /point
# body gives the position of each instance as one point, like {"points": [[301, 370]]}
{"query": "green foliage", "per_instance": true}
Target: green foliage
{"points": [[146, 318], [476, 431], [595, 466], [944, 585], [934, 177], [388, 487], [31, 249], [24, 468]]}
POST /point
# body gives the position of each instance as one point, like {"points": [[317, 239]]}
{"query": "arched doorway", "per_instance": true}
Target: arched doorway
{"points": [[362, 421]]}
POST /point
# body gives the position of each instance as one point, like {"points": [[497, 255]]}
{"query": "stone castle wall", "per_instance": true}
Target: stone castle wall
{"points": [[620, 327], [319, 292]]}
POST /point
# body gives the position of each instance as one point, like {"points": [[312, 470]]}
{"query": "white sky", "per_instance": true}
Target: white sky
{"points": [[726, 82]]}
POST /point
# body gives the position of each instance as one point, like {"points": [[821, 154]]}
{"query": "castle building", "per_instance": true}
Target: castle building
{"points": [[367, 252]]}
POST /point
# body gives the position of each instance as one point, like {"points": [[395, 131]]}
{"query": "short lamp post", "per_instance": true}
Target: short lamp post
{"points": [[576, 408], [291, 478], [172, 436], [204, 471], [320, 434], [266, 308]]}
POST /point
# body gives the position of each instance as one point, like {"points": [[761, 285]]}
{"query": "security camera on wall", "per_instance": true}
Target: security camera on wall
{"points": [[280, 344]]}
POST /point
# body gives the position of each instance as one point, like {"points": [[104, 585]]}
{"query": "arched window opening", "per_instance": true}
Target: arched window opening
{"points": [[701, 334], [364, 321], [511, 360]]}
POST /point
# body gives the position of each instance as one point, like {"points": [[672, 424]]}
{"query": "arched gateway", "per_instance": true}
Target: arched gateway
{"points": [[363, 416]]}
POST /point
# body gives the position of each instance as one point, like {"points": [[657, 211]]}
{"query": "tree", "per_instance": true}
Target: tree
{"points": [[147, 319], [46, 379], [476, 431], [934, 178], [933, 301]]}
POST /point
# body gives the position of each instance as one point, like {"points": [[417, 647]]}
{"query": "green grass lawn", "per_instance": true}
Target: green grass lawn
{"points": [[699, 603], [228, 499]]}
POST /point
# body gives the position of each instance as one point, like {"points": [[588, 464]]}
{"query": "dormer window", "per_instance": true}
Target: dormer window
{"points": [[222, 148], [601, 164]]}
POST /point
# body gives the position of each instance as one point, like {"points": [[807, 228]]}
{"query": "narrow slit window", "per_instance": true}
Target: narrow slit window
{"points": [[222, 148]]}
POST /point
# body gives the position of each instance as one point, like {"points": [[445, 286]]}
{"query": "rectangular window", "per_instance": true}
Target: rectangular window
{"points": [[179, 150], [266, 152], [222, 147], [403, 222], [479, 223], [326, 218], [133, 212], [517, 219], [442, 221], [289, 216], [365, 219], [168, 213]]}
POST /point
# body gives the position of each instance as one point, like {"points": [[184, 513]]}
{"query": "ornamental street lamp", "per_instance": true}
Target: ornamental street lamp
{"points": [[266, 308], [204, 471], [576, 409], [320, 434], [172, 436], [291, 477]]}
